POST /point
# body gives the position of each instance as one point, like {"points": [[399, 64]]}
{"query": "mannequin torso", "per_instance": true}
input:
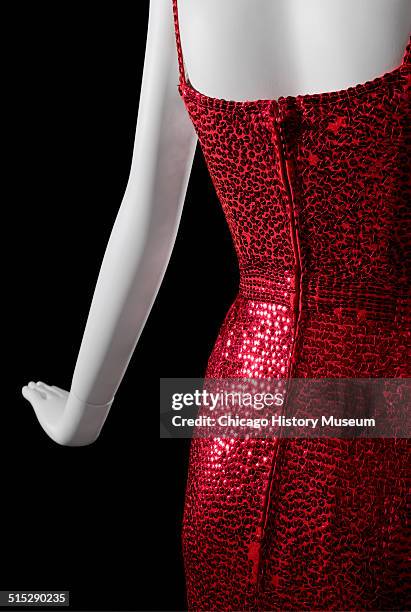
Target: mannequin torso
{"points": [[289, 47]]}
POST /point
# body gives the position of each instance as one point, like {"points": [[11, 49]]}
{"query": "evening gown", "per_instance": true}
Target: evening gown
{"points": [[316, 193]]}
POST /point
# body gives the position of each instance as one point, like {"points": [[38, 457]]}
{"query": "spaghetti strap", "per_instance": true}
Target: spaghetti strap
{"points": [[407, 54], [181, 66]]}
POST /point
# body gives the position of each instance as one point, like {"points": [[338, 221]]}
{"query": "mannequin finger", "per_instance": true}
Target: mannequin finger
{"points": [[46, 387], [32, 395], [42, 392]]}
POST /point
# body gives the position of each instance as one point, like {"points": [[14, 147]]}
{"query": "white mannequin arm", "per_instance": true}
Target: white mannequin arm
{"points": [[138, 251]]}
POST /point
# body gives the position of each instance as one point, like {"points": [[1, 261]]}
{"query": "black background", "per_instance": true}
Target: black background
{"points": [[101, 521]]}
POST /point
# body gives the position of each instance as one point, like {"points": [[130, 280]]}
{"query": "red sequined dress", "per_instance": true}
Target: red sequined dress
{"points": [[316, 193]]}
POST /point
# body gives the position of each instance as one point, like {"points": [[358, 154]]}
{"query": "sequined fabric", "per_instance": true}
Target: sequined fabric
{"points": [[316, 193]]}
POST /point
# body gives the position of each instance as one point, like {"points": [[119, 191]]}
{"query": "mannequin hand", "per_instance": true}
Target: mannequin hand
{"points": [[65, 418], [48, 403]]}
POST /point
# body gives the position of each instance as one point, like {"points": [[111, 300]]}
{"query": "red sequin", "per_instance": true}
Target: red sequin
{"points": [[316, 192]]}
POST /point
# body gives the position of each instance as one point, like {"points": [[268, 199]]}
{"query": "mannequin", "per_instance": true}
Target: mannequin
{"points": [[287, 47]]}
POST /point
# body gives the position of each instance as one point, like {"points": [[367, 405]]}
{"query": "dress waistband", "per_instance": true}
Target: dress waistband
{"points": [[334, 296]]}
